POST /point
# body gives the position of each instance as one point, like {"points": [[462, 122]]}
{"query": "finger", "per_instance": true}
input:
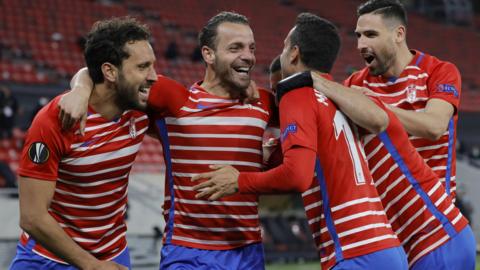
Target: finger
{"points": [[83, 123], [202, 185], [206, 175], [217, 167], [216, 196], [66, 121], [60, 118], [205, 193]]}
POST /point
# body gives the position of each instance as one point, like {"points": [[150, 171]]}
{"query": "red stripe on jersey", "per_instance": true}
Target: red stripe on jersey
{"points": [[91, 174], [354, 208], [210, 130], [417, 228], [425, 78]]}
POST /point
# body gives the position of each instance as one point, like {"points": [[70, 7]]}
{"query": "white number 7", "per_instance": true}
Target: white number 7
{"points": [[340, 124]]}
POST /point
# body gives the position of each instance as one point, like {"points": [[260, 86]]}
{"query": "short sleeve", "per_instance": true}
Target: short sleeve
{"points": [[167, 95], [445, 83], [298, 119], [44, 146]]}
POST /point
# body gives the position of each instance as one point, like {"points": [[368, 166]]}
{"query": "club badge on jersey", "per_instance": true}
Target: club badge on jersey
{"points": [[411, 93], [132, 129]]}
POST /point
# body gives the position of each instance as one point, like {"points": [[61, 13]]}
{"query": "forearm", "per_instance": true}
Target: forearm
{"points": [[294, 175], [421, 124], [354, 104], [47, 232], [82, 83]]}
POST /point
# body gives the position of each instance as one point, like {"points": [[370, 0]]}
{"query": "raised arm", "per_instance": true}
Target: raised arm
{"points": [[74, 104]]}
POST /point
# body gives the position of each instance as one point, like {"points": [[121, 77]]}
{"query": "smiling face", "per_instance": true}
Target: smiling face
{"points": [[136, 76], [234, 56], [376, 43]]}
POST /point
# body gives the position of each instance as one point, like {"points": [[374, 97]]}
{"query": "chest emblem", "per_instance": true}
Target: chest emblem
{"points": [[132, 128], [411, 93]]}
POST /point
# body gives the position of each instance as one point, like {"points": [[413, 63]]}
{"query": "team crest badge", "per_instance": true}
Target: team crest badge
{"points": [[132, 129], [411, 93]]}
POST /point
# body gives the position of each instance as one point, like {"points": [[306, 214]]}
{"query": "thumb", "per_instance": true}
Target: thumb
{"points": [[83, 122]]}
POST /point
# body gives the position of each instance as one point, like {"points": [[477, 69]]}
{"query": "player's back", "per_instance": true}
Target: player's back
{"points": [[421, 213], [342, 205]]}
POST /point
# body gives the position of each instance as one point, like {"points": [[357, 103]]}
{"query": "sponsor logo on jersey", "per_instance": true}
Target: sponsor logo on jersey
{"points": [[38, 152], [447, 88], [132, 129]]}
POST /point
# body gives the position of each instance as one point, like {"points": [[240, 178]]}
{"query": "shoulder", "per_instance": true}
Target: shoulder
{"points": [[298, 96], [432, 65], [48, 115], [164, 82], [357, 77]]}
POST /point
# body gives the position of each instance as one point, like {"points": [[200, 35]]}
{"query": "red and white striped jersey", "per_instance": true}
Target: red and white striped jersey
{"points": [[91, 174], [342, 205], [425, 78], [208, 130], [421, 213]]}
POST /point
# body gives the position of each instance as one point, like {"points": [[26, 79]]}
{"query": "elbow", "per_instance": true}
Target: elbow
{"points": [[27, 223], [379, 123], [433, 134]]}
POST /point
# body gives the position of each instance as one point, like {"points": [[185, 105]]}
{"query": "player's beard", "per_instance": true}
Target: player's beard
{"points": [[128, 95], [384, 60], [236, 89]]}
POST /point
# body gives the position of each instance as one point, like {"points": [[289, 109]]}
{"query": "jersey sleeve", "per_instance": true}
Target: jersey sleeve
{"points": [[445, 83], [44, 146], [298, 120], [167, 95]]}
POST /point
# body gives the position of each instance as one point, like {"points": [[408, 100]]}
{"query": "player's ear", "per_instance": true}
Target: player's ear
{"points": [[208, 55], [294, 55], [400, 33], [110, 72]]}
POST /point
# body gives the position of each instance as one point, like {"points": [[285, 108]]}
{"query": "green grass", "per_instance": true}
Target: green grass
{"points": [[316, 266]]}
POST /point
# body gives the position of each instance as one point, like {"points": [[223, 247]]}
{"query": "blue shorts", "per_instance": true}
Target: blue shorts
{"points": [[390, 258], [26, 259], [245, 258], [457, 254]]}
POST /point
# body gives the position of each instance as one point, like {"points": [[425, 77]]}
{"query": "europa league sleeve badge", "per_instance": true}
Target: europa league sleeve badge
{"points": [[132, 128]]}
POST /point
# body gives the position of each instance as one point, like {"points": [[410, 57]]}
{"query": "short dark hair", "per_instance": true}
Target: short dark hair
{"points": [[209, 32], [275, 66], [318, 41], [387, 8], [106, 40]]}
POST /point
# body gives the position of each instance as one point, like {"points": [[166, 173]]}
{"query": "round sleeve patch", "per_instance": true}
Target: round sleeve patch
{"points": [[38, 152]]}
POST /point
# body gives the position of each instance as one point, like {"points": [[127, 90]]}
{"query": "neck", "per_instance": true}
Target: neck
{"points": [[103, 101], [212, 84], [402, 59]]}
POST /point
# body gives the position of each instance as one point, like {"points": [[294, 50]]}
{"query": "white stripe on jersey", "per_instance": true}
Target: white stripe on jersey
{"points": [[400, 92], [380, 163], [92, 207], [217, 229], [310, 191], [123, 208], [392, 186], [313, 205], [211, 242], [207, 107], [398, 80], [386, 175], [406, 100], [93, 159], [353, 202], [87, 229], [224, 149], [217, 162], [357, 215], [195, 215], [368, 241], [216, 121], [116, 139], [92, 184], [431, 147], [379, 146], [181, 174], [86, 240], [111, 242], [364, 228], [96, 172], [430, 248], [90, 195], [216, 202], [215, 136], [213, 100]]}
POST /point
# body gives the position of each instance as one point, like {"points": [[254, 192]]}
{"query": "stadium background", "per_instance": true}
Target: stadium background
{"points": [[41, 48]]}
